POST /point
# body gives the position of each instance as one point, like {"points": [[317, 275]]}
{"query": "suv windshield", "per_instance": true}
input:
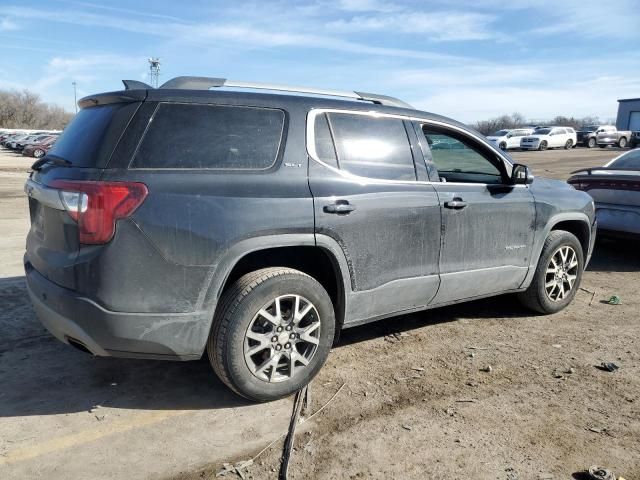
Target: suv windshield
{"points": [[500, 133], [542, 131]]}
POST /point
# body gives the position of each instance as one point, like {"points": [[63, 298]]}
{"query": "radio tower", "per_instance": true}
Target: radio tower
{"points": [[154, 71]]}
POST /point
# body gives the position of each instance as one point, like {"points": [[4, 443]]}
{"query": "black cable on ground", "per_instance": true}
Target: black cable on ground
{"points": [[301, 398]]}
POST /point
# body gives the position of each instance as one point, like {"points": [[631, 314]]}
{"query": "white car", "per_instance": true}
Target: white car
{"points": [[509, 138], [550, 137]]}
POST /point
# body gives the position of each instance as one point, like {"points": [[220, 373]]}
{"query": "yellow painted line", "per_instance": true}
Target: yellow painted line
{"points": [[67, 441]]}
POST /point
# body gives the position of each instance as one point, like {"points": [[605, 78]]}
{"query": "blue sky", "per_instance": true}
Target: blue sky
{"points": [[470, 60]]}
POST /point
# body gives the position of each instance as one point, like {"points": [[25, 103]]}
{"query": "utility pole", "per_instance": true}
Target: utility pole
{"points": [[75, 96]]}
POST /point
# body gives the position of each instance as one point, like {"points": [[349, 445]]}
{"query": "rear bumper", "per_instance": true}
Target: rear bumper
{"points": [[72, 318], [618, 218]]}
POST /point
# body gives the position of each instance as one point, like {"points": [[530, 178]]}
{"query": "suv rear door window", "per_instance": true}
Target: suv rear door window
{"points": [[372, 147], [324, 142], [211, 137]]}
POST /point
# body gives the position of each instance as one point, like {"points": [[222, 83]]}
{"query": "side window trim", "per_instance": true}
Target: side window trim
{"points": [[310, 141], [313, 154]]}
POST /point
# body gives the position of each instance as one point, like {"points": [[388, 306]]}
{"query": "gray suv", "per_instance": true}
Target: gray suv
{"points": [[255, 226]]}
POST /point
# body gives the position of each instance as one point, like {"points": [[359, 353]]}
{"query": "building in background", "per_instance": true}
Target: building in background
{"points": [[628, 114]]}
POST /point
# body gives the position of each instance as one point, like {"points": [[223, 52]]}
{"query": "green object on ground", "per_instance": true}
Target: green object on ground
{"points": [[614, 300]]}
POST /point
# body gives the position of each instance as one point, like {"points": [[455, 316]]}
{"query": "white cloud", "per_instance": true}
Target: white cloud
{"points": [[437, 25], [8, 25], [85, 69], [367, 6]]}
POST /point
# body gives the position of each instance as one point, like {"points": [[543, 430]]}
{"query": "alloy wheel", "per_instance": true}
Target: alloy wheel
{"points": [[561, 274], [282, 338]]}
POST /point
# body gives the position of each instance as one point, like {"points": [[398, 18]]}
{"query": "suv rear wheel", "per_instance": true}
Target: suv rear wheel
{"points": [[272, 333], [558, 275], [568, 145]]}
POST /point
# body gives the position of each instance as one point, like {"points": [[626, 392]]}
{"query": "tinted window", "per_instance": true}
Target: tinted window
{"points": [[324, 142], [208, 136], [372, 147], [83, 137], [457, 161], [628, 160]]}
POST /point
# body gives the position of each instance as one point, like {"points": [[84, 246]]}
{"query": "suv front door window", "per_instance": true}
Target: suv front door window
{"points": [[459, 162]]}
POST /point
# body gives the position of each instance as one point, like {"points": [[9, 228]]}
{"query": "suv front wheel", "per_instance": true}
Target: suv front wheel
{"points": [[272, 333], [558, 274]]}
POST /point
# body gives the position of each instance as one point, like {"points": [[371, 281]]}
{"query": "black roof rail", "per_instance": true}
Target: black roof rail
{"points": [[205, 83]]}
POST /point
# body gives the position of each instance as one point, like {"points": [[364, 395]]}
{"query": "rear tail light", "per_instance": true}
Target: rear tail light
{"points": [[97, 205]]}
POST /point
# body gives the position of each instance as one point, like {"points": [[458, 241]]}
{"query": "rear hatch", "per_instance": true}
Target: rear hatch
{"points": [[56, 185]]}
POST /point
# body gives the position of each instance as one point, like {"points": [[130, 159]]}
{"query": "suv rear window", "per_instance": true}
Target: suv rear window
{"points": [[372, 147], [91, 137], [211, 137]]}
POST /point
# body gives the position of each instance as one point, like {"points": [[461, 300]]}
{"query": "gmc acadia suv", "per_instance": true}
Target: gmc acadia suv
{"points": [[257, 225]]}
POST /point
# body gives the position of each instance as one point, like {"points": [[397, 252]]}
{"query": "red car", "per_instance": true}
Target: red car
{"points": [[39, 150]]}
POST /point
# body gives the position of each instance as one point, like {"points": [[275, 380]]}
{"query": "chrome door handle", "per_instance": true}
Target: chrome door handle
{"points": [[340, 208], [456, 204]]}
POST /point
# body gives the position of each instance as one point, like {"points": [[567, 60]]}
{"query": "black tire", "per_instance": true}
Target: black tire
{"points": [[536, 297], [622, 142], [568, 145], [234, 315], [503, 146], [591, 143], [543, 145]]}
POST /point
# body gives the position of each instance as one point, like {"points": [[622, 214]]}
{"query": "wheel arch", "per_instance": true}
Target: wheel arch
{"points": [[578, 227], [322, 260], [576, 223]]}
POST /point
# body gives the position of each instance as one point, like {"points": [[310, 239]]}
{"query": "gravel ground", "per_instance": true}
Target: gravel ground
{"points": [[414, 403]]}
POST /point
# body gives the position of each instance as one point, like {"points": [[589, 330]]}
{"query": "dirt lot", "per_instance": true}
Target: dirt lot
{"points": [[415, 403]]}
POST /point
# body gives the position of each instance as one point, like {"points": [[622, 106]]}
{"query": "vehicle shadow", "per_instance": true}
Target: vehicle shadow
{"points": [[42, 376], [615, 254], [503, 306]]}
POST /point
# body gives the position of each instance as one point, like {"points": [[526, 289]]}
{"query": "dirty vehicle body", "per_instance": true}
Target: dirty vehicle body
{"points": [[256, 225], [615, 188]]}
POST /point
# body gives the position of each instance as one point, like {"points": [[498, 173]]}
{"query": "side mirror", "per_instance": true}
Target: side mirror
{"points": [[521, 175]]}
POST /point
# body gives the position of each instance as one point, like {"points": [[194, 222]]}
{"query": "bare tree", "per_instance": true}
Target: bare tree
{"points": [[517, 120], [25, 109]]}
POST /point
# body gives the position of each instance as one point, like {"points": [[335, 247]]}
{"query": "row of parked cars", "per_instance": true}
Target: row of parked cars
{"points": [[543, 138], [30, 144]]}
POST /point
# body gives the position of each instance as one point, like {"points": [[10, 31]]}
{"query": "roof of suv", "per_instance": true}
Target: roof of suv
{"points": [[197, 90]]}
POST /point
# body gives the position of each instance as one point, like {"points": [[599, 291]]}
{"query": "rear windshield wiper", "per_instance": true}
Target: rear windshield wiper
{"points": [[55, 160]]}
